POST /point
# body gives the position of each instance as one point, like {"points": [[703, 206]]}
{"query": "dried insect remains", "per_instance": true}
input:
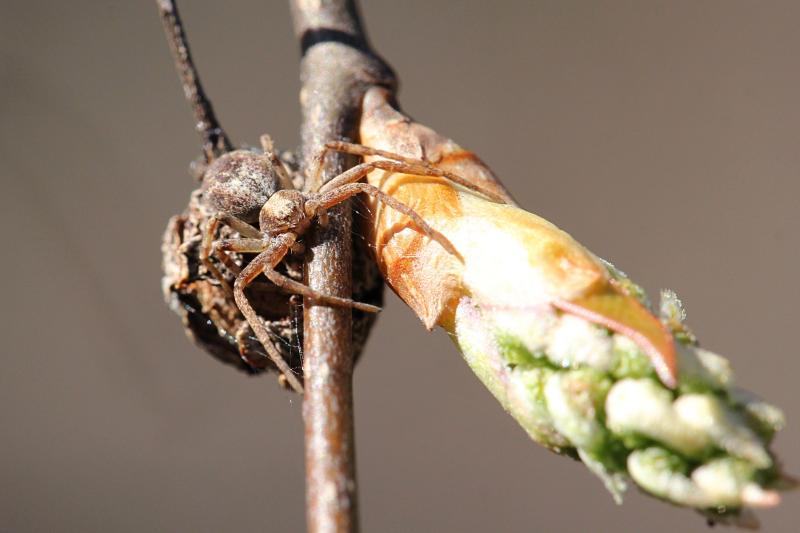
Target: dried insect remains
{"points": [[208, 311], [199, 286]]}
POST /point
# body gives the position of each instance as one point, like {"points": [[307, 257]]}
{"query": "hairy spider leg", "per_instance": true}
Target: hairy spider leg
{"points": [[344, 186], [270, 254], [207, 245], [206, 249], [258, 245], [325, 200], [277, 164], [220, 249], [420, 167], [205, 254], [241, 338]]}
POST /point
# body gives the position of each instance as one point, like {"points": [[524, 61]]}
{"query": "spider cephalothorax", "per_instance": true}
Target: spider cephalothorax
{"points": [[283, 212]]}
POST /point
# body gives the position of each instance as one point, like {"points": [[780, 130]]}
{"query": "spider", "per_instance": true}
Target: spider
{"points": [[244, 187]]}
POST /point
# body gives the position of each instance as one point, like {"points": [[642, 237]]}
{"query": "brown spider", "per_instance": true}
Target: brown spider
{"points": [[243, 187]]}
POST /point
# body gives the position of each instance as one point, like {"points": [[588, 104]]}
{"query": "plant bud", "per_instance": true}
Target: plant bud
{"points": [[565, 341]]}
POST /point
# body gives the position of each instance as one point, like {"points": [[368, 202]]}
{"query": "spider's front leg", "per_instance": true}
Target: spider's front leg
{"points": [[280, 169], [399, 163], [345, 186], [270, 254], [267, 263], [253, 241], [207, 246]]}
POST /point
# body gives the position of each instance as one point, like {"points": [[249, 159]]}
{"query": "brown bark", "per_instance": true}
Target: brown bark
{"points": [[336, 69]]}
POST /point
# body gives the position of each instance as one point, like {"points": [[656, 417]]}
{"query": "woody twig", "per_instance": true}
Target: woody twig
{"points": [[215, 140], [336, 69]]}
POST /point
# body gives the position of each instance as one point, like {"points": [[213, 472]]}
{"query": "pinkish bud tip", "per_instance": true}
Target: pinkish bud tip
{"points": [[623, 314]]}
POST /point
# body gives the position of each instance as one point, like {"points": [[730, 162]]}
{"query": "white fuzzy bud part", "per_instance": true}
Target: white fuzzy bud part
{"points": [[698, 366], [525, 394], [576, 341], [615, 482], [531, 328], [629, 361], [717, 368], [626, 344], [570, 398], [719, 482], [641, 406], [653, 470], [765, 413], [515, 389], [755, 496], [671, 308], [727, 482], [707, 415], [561, 407]]}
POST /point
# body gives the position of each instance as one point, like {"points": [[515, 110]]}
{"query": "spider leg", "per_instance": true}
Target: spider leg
{"points": [[354, 149], [223, 247], [364, 151], [205, 252], [207, 246], [245, 230], [268, 264], [330, 198], [296, 287], [280, 168], [267, 259], [241, 342], [406, 165]]}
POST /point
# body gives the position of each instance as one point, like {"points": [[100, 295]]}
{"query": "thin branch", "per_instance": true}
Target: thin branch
{"points": [[336, 69], [215, 140]]}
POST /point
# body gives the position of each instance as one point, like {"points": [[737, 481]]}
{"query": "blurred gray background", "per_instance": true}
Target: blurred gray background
{"points": [[662, 135]]}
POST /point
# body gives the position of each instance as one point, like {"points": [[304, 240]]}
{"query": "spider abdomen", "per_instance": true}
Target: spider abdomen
{"points": [[239, 183]]}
